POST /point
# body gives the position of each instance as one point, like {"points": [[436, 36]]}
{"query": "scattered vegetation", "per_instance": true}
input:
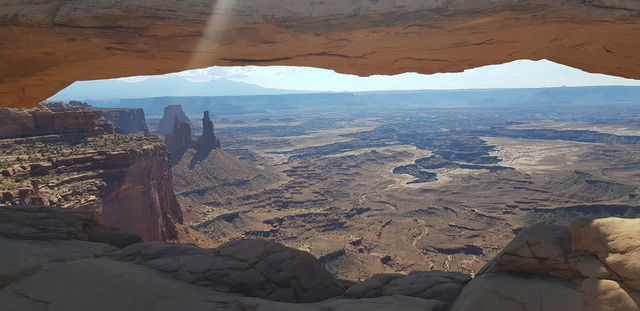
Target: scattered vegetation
{"points": [[17, 154], [21, 178]]}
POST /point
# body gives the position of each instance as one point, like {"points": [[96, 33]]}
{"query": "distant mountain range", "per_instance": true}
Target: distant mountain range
{"points": [[228, 95], [165, 86], [497, 98], [225, 97]]}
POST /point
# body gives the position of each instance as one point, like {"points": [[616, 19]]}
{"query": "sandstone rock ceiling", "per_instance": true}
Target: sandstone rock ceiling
{"points": [[47, 44]]}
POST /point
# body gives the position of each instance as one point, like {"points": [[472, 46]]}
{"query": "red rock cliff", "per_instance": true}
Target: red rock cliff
{"points": [[125, 179], [141, 199], [49, 118], [130, 121]]}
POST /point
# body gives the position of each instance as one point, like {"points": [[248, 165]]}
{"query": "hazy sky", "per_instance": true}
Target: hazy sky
{"points": [[517, 74]]}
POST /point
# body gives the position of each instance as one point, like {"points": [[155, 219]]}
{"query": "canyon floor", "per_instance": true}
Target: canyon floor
{"points": [[370, 189], [320, 208]]}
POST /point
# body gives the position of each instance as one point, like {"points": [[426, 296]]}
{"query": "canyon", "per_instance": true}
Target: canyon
{"points": [[392, 208], [402, 181], [308, 207]]}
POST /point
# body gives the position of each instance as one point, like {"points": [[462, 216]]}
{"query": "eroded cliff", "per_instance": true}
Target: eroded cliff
{"points": [[171, 113], [125, 120], [128, 121], [49, 118], [180, 139], [125, 179]]}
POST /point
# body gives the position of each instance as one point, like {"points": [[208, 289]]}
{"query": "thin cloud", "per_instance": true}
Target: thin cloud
{"points": [[520, 73], [135, 79]]}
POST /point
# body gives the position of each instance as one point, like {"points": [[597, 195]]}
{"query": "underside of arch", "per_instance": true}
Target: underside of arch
{"points": [[47, 44]]}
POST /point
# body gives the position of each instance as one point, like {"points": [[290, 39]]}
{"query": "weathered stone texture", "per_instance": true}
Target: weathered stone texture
{"points": [[86, 40]]}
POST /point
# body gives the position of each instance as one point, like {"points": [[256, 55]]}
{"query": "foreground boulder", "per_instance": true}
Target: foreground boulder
{"points": [[616, 244], [58, 259], [591, 265], [443, 286], [254, 268], [66, 260]]}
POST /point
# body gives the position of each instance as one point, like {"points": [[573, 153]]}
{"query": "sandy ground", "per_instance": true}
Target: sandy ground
{"points": [[535, 156], [317, 138], [623, 130], [256, 124]]}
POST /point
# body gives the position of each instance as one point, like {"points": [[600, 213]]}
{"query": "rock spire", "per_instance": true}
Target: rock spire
{"points": [[208, 140]]}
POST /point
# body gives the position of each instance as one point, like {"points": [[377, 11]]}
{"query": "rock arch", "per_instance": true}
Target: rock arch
{"points": [[47, 44]]}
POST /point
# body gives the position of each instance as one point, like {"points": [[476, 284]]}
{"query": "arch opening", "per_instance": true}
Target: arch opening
{"points": [[266, 80], [393, 173]]}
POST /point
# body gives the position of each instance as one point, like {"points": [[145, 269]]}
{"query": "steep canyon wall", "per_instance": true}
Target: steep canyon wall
{"points": [[62, 158]]}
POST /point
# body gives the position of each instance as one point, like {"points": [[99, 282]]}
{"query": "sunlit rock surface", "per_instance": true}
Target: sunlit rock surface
{"points": [[58, 155], [47, 119], [589, 266], [48, 44]]}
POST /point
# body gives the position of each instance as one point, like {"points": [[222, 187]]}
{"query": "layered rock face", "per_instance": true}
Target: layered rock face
{"points": [[125, 120], [141, 199], [141, 37], [125, 179], [208, 140], [48, 118], [180, 139], [129, 121], [171, 113]]}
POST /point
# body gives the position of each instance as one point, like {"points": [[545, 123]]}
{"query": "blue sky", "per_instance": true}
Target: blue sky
{"points": [[516, 74]]}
